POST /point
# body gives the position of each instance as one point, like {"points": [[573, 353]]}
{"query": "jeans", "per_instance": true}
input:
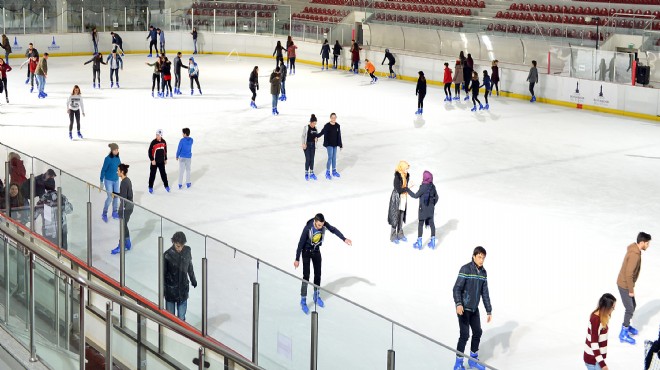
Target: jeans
{"points": [[41, 81], [332, 157], [195, 43], [96, 47], [469, 320], [283, 87], [184, 167], [316, 259], [177, 80], [116, 72], [593, 367], [355, 66], [162, 48], [181, 308], [309, 156], [7, 57], [111, 187], [275, 96]]}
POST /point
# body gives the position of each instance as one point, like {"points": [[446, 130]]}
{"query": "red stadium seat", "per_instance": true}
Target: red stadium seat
{"points": [[498, 15]]}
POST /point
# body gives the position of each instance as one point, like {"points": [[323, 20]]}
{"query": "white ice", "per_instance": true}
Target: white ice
{"points": [[555, 195]]}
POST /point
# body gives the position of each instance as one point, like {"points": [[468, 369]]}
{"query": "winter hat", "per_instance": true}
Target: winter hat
{"points": [[427, 178], [113, 146], [193, 60], [159, 132]]}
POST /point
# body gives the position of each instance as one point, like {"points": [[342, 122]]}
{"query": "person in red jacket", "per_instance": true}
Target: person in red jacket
{"points": [[291, 58], [32, 62], [4, 68], [595, 348], [16, 169], [355, 57], [447, 80]]}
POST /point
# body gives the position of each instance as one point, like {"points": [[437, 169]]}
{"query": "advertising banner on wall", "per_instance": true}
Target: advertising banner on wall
{"points": [[603, 95], [594, 93], [577, 91]]}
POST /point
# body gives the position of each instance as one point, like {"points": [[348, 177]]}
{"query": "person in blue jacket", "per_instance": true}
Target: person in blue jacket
{"points": [[161, 36], [325, 54], [184, 156], [193, 74], [116, 63], [152, 43], [488, 86], [309, 247], [471, 286], [110, 180]]}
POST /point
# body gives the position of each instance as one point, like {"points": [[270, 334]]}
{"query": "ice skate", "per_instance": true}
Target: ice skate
{"points": [[104, 216], [317, 299], [418, 244], [533, 99], [432, 243], [70, 136], [277, 113], [486, 107], [192, 92], [115, 215], [188, 185], [306, 176], [335, 173], [466, 98], [303, 305], [93, 86], [418, 111], [151, 190], [457, 97], [117, 84], [127, 247], [167, 94], [253, 104], [327, 175], [167, 189], [481, 107], [27, 81], [632, 331], [31, 89], [421, 111], [474, 109], [473, 364], [200, 91], [624, 336], [395, 241], [403, 238], [152, 94], [313, 176], [80, 135], [273, 111], [149, 56], [459, 364], [112, 84], [171, 95], [44, 94]]}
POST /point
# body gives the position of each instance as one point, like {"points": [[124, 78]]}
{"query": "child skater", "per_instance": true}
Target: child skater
{"points": [[420, 91], [371, 69], [184, 156], [32, 62], [474, 86], [447, 81], [193, 73], [488, 86], [97, 60], [254, 85], [458, 80], [496, 76], [428, 197], [325, 54], [166, 69], [74, 106]]}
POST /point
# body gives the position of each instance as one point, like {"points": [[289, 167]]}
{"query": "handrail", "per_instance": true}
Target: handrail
{"points": [[24, 240]]}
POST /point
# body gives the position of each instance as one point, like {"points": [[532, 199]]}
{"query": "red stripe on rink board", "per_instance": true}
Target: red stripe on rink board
{"points": [[579, 106], [110, 281]]}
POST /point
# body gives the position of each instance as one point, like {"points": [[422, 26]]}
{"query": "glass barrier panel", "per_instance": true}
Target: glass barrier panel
{"points": [[105, 235], [33, 20], [560, 60], [284, 330], [124, 348], [349, 334], [74, 215], [217, 361], [265, 23], [195, 242], [180, 348], [181, 20], [582, 63], [142, 232], [14, 20], [160, 18], [116, 19], [414, 351], [231, 276], [50, 17], [93, 18], [45, 209], [622, 65], [74, 19], [4, 275], [223, 23], [18, 296], [245, 21]]}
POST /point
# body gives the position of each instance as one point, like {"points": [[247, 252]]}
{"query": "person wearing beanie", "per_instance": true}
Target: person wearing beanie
{"points": [[177, 267], [447, 80], [158, 157], [396, 215], [184, 156], [309, 138], [110, 180], [193, 74], [428, 197], [458, 79], [420, 91]]}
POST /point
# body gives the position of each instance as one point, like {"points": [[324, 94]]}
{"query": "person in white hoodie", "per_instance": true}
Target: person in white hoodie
{"points": [[193, 73], [74, 106]]}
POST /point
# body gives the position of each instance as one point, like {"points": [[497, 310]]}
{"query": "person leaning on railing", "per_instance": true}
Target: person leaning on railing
{"points": [[18, 206]]}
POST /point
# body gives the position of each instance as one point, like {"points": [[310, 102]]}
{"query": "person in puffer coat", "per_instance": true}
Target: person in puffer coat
{"points": [[428, 198], [458, 80], [178, 267], [396, 215]]}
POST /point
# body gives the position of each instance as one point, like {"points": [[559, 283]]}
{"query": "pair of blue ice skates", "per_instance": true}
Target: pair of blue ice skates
{"points": [[626, 334], [253, 104], [188, 185], [42, 95], [317, 299], [112, 84], [71, 135], [374, 80], [282, 97], [192, 91], [419, 245], [329, 175], [471, 362], [162, 94], [177, 91], [310, 176], [127, 246], [151, 190], [533, 99], [401, 239], [104, 216], [95, 85], [481, 107], [392, 75], [448, 98], [275, 112], [419, 111]]}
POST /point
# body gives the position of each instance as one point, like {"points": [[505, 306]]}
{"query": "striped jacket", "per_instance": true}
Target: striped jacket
{"points": [[595, 348], [471, 286]]}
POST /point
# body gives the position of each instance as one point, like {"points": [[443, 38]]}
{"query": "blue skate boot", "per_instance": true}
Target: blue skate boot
{"points": [[459, 364], [473, 364], [328, 175], [432, 243], [474, 109], [624, 336], [306, 176], [317, 299], [335, 173], [104, 216], [313, 176], [303, 305], [418, 244], [115, 215]]}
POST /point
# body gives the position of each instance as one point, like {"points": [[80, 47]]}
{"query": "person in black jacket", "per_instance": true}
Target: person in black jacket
{"points": [[390, 62], [420, 91], [336, 51], [325, 54], [43, 182], [125, 205], [254, 85], [282, 82], [474, 87], [653, 351], [153, 35], [177, 73], [178, 266], [309, 137], [331, 141], [97, 60], [396, 215], [428, 197], [277, 53], [309, 247], [471, 286], [158, 157]]}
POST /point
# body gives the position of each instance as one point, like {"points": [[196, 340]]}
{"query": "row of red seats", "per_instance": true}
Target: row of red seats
{"points": [[459, 3], [307, 28], [580, 10], [423, 8], [639, 2], [412, 19], [624, 23], [315, 18], [356, 3], [230, 13], [549, 31], [241, 6], [325, 11]]}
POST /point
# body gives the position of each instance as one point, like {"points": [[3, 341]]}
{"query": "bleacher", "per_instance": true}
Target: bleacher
{"points": [[203, 12]]}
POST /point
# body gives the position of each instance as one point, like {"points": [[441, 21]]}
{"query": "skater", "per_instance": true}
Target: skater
{"points": [[41, 72], [458, 80], [116, 63], [595, 349], [428, 198], [161, 39], [279, 58], [474, 87], [653, 353], [177, 267], [309, 138], [291, 58], [193, 74], [471, 286], [355, 57], [16, 169], [325, 54], [32, 63], [396, 215], [177, 73], [194, 37], [158, 157], [184, 156], [166, 69], [254, 85], [155, 76], [332, 142], [152, 37], [275, 88], [488, 88], [6, 45], [97, 59], [468, 68], [370, 69], [74, 106], [447, 80], [110, 181], [283, 82], [390, 62], [30, 53], [626, 283], [309, 247], [336, 51], [4, 68], [125, 205], [48, 203], [420, 91], [117, 43], [533, 79], [95, 40], [495, 76]]}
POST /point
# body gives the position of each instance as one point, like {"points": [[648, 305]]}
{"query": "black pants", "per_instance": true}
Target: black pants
{"points": [[315, 257], [420, 100], [497, 86], [155, 81], [486, 96], [391, 69], [335, 59], [531, 88], [254, 92], [324, 61], [420, 227], [72, 114], [152, 45], [3, 86], [160, 166], [125, 217], [167, 84], [372, 76], [96, 76], [116, 73], [397, 230], [448, 89], [475, 99], [629, 303], [309, 156], [279, 60], [457, 89], [196, 79], [469, 320], [177, 80], [292, 64]]}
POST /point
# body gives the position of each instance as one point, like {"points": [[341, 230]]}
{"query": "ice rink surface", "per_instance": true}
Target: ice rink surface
{"points": [[555, 195]]}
